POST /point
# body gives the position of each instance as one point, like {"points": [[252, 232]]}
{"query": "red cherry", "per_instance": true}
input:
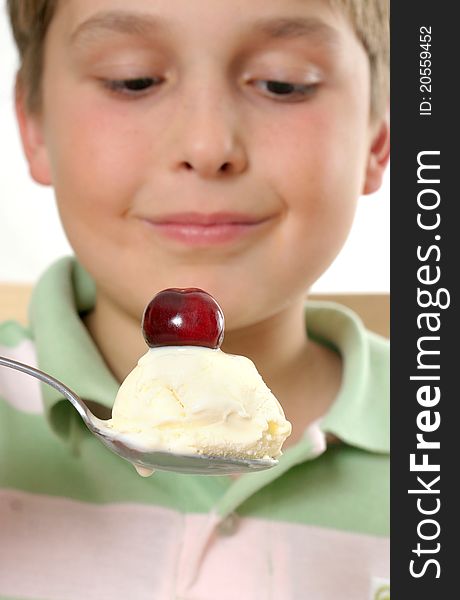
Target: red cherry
{"points": [[183, 317]]}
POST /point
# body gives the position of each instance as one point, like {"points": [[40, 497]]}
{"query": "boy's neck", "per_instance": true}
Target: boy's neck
{"points": [[303, 375], [117, 335]]}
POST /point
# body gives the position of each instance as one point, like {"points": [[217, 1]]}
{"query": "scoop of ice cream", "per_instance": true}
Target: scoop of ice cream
{"points": [[197, 400]]}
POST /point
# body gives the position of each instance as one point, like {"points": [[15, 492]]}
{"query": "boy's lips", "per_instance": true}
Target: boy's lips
{"points": [[203, 229]]}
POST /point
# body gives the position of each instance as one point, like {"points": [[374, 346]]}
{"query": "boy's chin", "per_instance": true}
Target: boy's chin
{"points": [[239, 303], [246, 299]]}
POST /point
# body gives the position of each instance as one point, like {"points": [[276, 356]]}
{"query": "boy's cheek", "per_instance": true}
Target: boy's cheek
{"points": [[93, 166]]}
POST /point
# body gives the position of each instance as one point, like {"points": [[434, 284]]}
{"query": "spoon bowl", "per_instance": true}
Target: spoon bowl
{"points": [[145, 460]]}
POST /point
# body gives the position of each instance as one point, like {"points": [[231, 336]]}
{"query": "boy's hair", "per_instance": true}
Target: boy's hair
{"points": [[371, 22], [370, 18]]}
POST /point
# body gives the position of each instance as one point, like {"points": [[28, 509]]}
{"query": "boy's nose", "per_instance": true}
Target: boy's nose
{"points": [[208, 141]]}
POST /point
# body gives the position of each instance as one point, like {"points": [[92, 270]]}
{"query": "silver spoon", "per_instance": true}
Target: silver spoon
{"points": [[144, 460]]}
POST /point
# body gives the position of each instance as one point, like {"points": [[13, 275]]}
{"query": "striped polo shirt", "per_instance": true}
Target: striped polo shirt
{"points": [[78, 523]]}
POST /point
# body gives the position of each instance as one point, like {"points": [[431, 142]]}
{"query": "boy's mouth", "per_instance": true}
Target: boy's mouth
{"points": [[205, 229]]}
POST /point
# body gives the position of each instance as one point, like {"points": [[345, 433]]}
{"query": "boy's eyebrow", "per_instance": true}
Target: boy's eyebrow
{"points": [[121, 22], [146, 24], [297, 27]]}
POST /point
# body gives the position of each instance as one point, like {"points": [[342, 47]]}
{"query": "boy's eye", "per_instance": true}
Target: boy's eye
{"points": [[284, 89], [133, 86]]}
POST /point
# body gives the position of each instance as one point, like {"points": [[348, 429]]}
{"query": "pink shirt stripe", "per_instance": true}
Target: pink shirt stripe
{"points": [[69, 550]]}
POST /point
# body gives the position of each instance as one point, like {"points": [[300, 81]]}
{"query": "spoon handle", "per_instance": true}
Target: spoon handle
{"points": [[55, 383]]}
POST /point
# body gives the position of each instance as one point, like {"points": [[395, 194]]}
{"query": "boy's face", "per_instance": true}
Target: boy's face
{"points": [[215, 143]]}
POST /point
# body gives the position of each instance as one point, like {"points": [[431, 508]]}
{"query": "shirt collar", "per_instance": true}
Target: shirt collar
{"points": [[359, 415], [65, 349]]}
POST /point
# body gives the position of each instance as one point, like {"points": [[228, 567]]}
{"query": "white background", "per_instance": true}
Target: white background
{"points": [[31, 236]]}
